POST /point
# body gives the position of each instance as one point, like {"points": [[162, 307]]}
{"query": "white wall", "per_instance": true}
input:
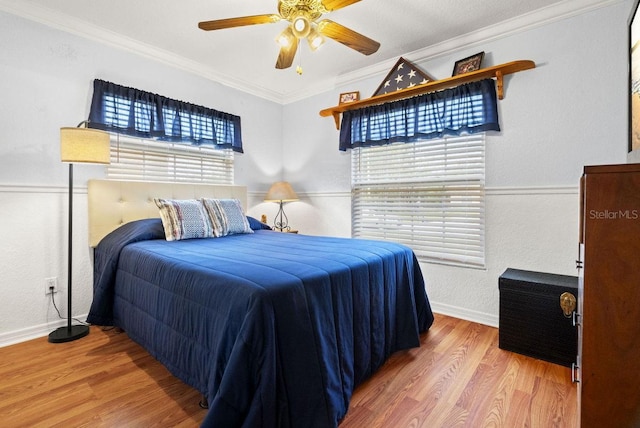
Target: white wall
{"points": [[46, 79], [570, 111]]}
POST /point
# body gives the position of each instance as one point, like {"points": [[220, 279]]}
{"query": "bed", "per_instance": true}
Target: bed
{"points": [[274, 329]]}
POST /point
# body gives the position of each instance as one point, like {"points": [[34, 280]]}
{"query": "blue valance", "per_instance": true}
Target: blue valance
{"points": [[130, 111], [471, 107]]}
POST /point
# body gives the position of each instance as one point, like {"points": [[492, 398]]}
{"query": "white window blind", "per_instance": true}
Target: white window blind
{"points": [[428, 195], [153, 160]]}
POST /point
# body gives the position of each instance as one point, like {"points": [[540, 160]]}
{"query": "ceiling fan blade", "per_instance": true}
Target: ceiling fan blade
{"points": [[287, 54], [337, 4], [347, 37], [220, 24]]}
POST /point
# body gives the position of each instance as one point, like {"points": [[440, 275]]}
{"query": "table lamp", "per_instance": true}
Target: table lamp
{"points": [[281, 192]]}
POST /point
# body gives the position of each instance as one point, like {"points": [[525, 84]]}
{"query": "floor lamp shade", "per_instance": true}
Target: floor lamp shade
{"points": [[86, 146]]}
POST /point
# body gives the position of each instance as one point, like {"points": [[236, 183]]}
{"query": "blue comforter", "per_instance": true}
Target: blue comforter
{"points": [[275, 329]]}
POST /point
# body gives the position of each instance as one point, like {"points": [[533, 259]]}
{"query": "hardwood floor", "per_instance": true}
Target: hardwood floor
{"points": [[102, 380], [458, 377]]}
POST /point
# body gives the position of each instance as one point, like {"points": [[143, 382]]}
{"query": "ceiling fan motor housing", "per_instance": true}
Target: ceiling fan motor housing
{"points": [[309, 10]]}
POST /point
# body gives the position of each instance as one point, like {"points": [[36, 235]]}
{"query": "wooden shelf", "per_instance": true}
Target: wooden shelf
{"points": [[497, 72]]}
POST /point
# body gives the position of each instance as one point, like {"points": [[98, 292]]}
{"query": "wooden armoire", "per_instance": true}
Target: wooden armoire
{"points": [[608, 363]]}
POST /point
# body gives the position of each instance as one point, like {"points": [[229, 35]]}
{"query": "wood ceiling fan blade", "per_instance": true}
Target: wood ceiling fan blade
{"points": [[286, 55], [348, 37], [337, 4], [220, 24]]}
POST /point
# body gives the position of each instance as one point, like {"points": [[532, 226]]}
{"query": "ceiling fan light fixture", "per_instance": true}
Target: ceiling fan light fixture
{"points": [[301, 25], [286, 38], [315, 39]]}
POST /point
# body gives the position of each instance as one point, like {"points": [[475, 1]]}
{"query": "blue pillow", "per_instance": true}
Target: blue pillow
{"points": [[257, 225]]}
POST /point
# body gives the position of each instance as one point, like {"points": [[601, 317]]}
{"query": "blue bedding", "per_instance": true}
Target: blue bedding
{"points": [[275, 329]]}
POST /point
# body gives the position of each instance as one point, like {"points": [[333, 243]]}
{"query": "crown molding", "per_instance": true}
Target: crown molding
{"points": [[537, 18], [83, 29]]}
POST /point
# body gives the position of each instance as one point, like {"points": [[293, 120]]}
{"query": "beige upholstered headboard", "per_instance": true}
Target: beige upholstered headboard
{"points": [[113, 203]]}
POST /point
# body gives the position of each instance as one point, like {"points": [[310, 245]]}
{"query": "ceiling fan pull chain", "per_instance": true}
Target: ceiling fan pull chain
{"points": [[299, 66]]}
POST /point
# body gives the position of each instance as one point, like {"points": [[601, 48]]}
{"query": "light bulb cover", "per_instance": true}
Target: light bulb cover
{"points": [[315, 39], [286, 38], [301, 25]]}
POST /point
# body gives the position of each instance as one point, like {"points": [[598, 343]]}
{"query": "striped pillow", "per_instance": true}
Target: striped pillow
{"points": [[226, 216], [184, 219]]}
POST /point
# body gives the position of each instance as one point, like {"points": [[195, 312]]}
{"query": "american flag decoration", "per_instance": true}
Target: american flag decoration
{"points": [[403, 75]]}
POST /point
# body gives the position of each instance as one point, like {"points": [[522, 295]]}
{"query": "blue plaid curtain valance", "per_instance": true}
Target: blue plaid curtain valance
{"points": [[137, 113], [471, 107]]}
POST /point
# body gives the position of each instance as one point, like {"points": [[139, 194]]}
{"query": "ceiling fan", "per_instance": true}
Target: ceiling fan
{"points": [[302, 16]]}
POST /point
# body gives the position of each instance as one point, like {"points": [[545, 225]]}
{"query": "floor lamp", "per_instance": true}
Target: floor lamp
{"points": [[281, 192], [86, 146]]}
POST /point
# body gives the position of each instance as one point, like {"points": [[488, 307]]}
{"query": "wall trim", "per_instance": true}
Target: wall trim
{"points": [[533, 190], [465, 314], [33, 332], [489, 191], [29, 188], [307, 195], [42, 330]]}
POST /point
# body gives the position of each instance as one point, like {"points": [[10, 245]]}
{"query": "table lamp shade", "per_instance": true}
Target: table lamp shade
{"points": [[84, 145], [281, 191]]}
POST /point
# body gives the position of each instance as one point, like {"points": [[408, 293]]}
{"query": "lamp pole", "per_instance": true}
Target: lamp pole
{"points": [[70, 332]]}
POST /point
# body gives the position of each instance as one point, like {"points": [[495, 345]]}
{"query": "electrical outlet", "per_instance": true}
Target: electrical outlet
{"points": [[50, 285]]}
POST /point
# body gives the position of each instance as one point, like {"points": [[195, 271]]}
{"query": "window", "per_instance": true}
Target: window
{"points": [[428, 195], [151, 160], [155, 138]]}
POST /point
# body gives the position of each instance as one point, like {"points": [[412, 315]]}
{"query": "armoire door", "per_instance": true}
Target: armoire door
{"points": [[609, 296]]}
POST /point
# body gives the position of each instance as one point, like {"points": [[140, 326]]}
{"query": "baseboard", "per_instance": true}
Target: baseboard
{"points": [[42, 330], [34, 332], [465, 314]]}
